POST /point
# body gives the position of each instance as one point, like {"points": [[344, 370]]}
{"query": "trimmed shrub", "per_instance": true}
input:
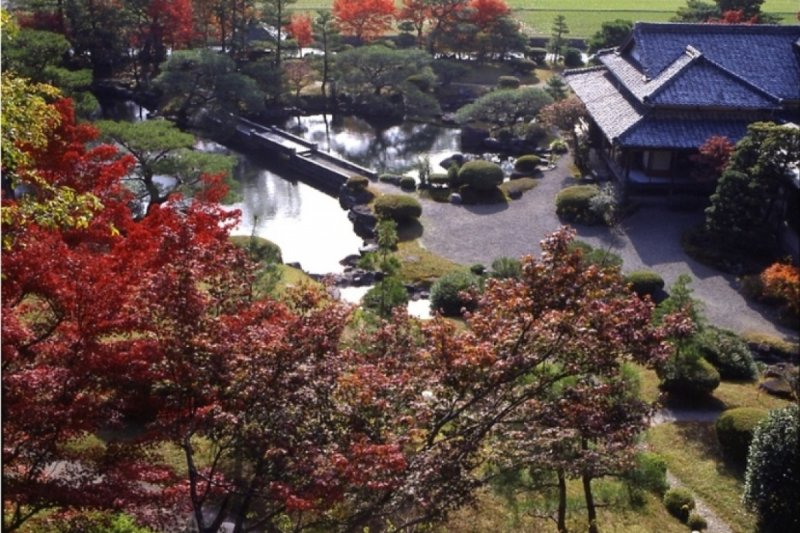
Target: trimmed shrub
{"points": [[537, 55], [423, 82], [735, 428], [478, 269], [573, 204], [439, 179], [527, 164], [447, 292], [645, 282], [522, 66], [696, 522], [772, 479], [688, 374], [515, 188], [508, 82], [679, 502], [559, 147], [408, 183], [259, 249], [727, 352], [397, 207], [481, 175], [573, 58], [596, 256], [394, 179], [535, 133], [357, 183], [506, 267]]}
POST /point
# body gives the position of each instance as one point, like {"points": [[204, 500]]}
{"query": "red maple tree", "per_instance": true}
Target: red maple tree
{"points": [[364, 19], [487, 12], [300, 28]]}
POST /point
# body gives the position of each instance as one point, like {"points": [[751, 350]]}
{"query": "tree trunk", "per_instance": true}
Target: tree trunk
{"points": [[587, 493], [562, 502]]}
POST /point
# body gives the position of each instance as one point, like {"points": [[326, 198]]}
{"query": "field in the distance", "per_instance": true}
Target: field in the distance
{"points": [[584, 17]]}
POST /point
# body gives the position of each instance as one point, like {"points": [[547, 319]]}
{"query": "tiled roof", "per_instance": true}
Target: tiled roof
{"points": [[691, 80], [764, 55], [610, 109], [702, 83], [682, 131]]}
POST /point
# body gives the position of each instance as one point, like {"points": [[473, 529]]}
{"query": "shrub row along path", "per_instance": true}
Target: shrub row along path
{"points": [[649, 239]]}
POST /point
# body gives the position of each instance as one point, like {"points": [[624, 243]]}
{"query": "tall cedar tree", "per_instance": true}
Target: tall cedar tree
{"points": [[366, 20]]}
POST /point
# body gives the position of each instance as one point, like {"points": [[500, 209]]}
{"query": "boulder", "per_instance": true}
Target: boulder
{"points": [[364, 221], [455, 199]]}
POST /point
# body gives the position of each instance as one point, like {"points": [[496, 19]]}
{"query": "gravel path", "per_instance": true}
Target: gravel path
{"points": [[715, 523], [650, 239]]}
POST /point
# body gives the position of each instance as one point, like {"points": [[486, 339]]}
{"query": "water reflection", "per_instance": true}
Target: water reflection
{"points": [[417, 308], [394, 149], [308, 225]]}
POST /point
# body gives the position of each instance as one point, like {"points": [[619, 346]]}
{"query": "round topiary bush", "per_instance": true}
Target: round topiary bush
{"points": [[508, 82], [645, 282], [735, 428], [527, 164], [689, 375], [407, 183], [728, 352], [772, 479], [696, 522], [480, 175], [398, 207], [446, 292], [357, 183], [679, 502], [573, 204]]}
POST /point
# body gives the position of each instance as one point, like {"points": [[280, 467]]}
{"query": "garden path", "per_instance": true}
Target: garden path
{"points": [[649, 238]]}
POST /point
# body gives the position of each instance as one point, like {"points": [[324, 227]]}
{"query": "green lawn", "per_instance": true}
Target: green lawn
{"points": [[693, 455], [584, 17]]}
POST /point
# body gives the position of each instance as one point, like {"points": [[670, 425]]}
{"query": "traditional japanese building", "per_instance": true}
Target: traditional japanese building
{"points": [[659, 96]]}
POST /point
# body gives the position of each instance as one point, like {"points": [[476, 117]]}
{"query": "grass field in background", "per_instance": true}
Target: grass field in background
{"points": [[584, 17]]}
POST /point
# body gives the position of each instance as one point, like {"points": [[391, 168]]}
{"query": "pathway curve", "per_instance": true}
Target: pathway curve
{"points": [[666, 415], [650, 239]]}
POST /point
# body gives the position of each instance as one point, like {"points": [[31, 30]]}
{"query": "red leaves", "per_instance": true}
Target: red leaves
{"points": [[365, 19], [712, 158], [300, 29], [487, 12]]}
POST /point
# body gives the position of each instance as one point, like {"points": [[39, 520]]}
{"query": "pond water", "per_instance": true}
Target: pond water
{"points": [[310, 226], [395, 149], [418, 308]]}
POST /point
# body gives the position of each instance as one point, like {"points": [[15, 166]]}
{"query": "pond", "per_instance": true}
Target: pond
{"points": [[395, 149], [310, 226]]}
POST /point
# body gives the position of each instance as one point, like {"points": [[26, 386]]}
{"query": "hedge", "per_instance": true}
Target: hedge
{"points": [[408, 183], [573, 204], [688, 374], [397, 207], [645, 282], [481, 175], [735, 428], [527, 163]]}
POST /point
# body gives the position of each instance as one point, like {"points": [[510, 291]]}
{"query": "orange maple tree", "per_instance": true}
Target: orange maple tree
{"points": [[300, 29]]}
